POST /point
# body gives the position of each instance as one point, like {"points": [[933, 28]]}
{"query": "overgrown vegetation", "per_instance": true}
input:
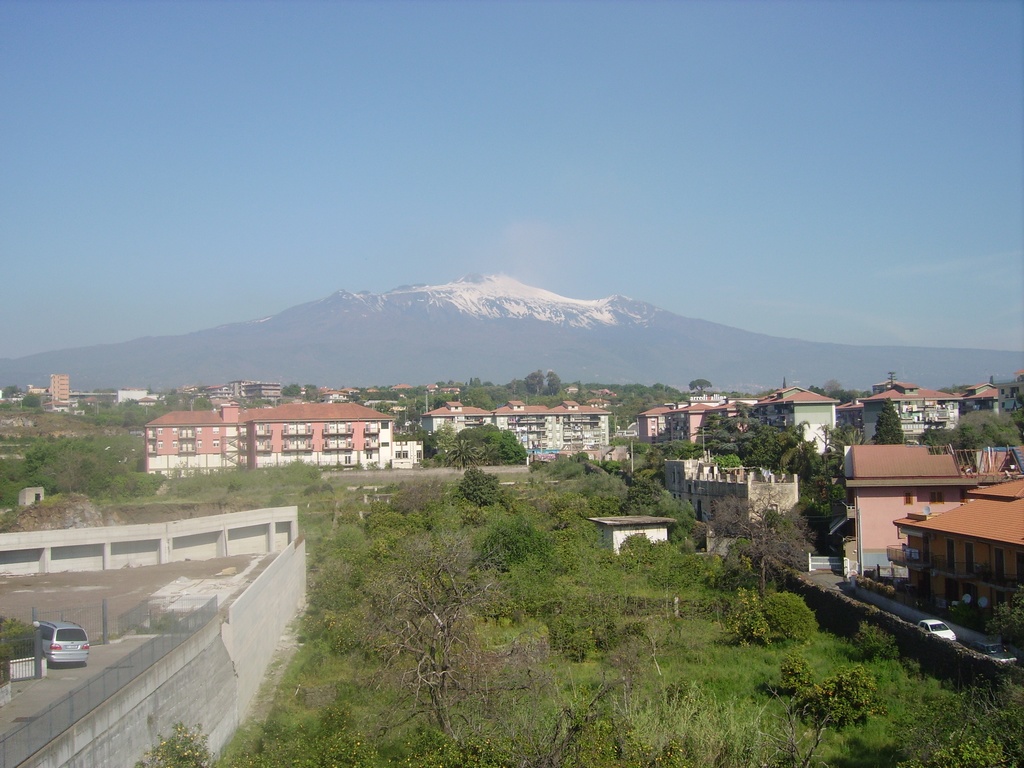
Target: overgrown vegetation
{"points": [[474, 625]]}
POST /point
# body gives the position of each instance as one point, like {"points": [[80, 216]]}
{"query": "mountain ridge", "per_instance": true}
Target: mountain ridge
{"points": [[495, 328]]}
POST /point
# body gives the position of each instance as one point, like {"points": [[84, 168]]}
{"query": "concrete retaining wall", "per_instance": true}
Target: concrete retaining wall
{"points": [[210, 680], [255, 531]]}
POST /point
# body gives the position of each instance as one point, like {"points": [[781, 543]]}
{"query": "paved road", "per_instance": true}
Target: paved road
{"points": [[831, 580], [29, 697]]}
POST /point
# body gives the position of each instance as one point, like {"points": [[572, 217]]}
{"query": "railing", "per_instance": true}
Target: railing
{"points": [[297, 429], [338, 445], [29, 737], [298, 445], [338, 429]]}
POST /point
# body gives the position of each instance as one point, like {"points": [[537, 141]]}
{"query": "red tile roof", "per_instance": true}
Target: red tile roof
{"points": [[187, 419], [900, 461], [795, 395], [315, 412], [998, 521], [1012, 490], [919, 394]]}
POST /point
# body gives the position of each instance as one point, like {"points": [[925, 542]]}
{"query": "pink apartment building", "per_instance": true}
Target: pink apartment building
{"points": [[887, 482], [323, 434]]}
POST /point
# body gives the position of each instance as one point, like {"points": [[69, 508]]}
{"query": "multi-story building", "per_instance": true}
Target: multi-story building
{"points": [[650, 424], [919, 409], [568, 426], [980, 397], [60, 389], [256, 390], [974, 552], [323, 434], [887, 482], [703, 484], [1010, 393], [795, 406], [457, 415]]}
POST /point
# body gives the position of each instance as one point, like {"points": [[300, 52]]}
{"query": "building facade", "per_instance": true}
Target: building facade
{"points": [[567, 426], [972, 553], [704, 483], [919, 409], [888, 482], [323, 434], [798, 407]]}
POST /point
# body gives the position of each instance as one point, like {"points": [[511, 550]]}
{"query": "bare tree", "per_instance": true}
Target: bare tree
{"points": [[772, 537], [421, 622]]}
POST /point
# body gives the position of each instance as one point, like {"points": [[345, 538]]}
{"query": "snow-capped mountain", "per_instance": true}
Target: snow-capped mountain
{"points": [[497, 329]]}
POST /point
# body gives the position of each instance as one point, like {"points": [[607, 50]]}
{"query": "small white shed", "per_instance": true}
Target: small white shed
{"points": [[615, 530]]}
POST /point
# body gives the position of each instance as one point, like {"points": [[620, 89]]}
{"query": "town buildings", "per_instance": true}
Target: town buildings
{"points": [[973, 553], [703, 483], [323, 434], [919, 409], [888, 482], [567, 426], [814, 414]]}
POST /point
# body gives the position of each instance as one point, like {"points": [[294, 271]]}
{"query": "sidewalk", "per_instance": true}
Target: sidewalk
{"points": [[30, 697]]}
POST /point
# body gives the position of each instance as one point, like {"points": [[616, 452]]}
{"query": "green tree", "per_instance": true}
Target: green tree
{"points": [[700, 384], [1008, 620], [535, 382], [291, 390], [480, 488], [463, 453], [888, 429], [31, 401], [553, 384]]}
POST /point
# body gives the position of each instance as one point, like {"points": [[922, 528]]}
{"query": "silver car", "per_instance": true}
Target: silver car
{"points": [[64, 642]]}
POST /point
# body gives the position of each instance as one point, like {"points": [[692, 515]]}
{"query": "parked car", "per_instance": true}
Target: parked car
{"points": [[64, 642], [994, 651], [936, 627]]}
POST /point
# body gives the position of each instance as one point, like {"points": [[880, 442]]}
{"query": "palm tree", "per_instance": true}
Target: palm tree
{"points": [[462, 453]]}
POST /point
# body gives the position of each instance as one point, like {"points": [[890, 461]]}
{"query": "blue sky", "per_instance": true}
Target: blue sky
{"points": [[833, 171]]}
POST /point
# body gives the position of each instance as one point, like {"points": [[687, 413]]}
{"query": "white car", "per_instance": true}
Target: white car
{"points": [[936, 627]]}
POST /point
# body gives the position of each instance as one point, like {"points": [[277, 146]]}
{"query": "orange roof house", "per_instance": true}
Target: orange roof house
{"points": [[972, 553]]}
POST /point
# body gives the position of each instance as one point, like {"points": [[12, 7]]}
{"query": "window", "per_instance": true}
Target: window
{"points": [[160, 444], [908, 498], [969, 556], [950, 554], [199, 443], [216, 430], [174, 444], [937, 497], [216, 443]]}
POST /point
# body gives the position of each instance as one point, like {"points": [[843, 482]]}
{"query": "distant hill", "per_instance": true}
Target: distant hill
{"points": [[497, 329]]}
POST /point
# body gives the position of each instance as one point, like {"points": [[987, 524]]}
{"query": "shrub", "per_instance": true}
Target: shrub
{"points": [[184, 748], [788, 617], [874, 643]]}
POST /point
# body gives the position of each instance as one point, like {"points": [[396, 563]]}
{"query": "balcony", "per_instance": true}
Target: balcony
{"points": [[337, 445], [907, 556], [297, 429], [263, 430], [186, 434], [297, 445], [338, 429], [371, 445], [264, 446]]}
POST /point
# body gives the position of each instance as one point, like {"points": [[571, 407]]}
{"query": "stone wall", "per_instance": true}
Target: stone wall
{"points": [[842, 616]]}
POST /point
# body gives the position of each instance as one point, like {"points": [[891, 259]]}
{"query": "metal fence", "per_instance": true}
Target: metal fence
{"points": [[29, 737]]}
